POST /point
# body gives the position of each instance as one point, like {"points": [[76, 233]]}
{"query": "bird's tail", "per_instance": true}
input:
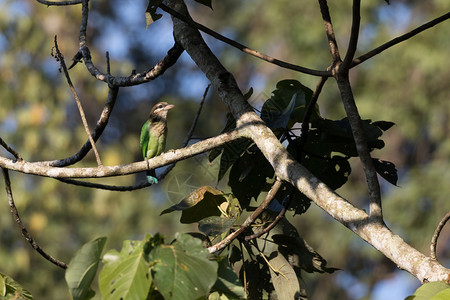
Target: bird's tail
{"points": [[151, 177]]}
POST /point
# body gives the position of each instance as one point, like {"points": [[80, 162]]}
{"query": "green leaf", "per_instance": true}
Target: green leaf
{"points": [[429, 291], [287, 105], [203, 202], [10, 289], [150, 13], [228, 282], [284, 278], [205, 2], [442, 295], [182, 270], [215, 225], [386, 169], [83, 268], [126, 275]]}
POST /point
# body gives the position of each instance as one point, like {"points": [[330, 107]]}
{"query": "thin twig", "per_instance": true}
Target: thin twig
{"points": [[59, 3], [263, 206], [274, 222], [243, 48], [334, 50], [399, 39], [10, 150], [354, 34], [60, 58], [436, 234], [96, 133], [22, 227], [309, 109]]}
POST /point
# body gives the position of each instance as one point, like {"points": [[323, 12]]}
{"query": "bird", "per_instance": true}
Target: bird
{"points": [[153, 135]]}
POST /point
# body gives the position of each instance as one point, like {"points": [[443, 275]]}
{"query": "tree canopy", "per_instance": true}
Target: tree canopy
{"points": [[344, 120]]}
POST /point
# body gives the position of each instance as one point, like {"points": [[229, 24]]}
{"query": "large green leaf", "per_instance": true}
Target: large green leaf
{"points": [[204, 202], [126, 275], [10, 289], [182, 270], [431, 291], [228, 282], [83, 268], [284, 278]]}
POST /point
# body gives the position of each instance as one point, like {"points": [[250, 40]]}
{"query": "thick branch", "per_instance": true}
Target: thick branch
{"points": [[37, 168], [287, 169]]}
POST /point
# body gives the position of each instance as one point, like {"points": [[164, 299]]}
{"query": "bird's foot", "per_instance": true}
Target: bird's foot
{"points": [[152, 180]]}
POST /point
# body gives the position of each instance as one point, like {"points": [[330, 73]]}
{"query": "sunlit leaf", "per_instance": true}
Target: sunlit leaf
{"points": [[182, 270], [11, 289], [83, 268], [126, 275], [431, 290]]}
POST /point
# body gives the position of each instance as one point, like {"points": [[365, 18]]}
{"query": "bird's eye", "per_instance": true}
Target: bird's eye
{"points": [[159, 106]]}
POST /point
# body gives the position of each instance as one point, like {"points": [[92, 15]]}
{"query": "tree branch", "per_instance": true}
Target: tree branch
{"points": [[37, 168], [436, 234], [399, 39], [353, 43], [10, 150], [287, 169], [59, 3], [249, 221], [60, 58], [22, 227], [241, 47], [334, 50]]}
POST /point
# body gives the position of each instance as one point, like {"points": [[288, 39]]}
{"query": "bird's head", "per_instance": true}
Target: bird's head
{"points": [[160, 110]]}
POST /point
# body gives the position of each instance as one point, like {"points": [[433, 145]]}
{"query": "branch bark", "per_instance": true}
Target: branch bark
{"points": [[287, 169]]}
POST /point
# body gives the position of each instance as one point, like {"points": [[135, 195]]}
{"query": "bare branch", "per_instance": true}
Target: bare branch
{"points": [[353, 43], [249, 221], [22, 227], [436, 234], [60, 58], [10, 150], [40, 169], [329, 31], [400, 39], [243, 48], [59, 3]]}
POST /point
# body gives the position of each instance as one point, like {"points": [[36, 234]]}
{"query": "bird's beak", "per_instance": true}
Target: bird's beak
{"points": [[170, 106]]}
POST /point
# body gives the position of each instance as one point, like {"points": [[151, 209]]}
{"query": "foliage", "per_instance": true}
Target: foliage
{"points": [[37, 117]]}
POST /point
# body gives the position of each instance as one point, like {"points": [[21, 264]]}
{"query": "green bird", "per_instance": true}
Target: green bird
{"points": [[153, 135]]}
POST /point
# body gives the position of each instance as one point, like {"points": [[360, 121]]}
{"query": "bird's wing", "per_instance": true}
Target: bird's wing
{"points": [[145, 137]]}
